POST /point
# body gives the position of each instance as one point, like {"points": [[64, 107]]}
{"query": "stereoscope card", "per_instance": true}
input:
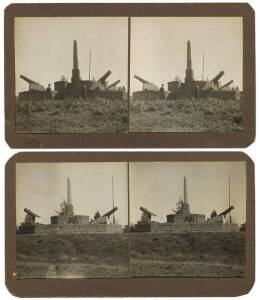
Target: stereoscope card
{"points": [[160, 222], [129, 75]]}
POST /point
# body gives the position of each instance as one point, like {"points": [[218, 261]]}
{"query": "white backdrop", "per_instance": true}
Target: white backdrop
{"points": [[5, 152]]}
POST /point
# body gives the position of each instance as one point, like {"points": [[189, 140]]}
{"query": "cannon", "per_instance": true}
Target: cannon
{"points": [[226, 84], [141, 79], [100, 84], [109, 213], [220, 217], [27, 79], [147, 212], [226, 211], [146, 215], [217, 77], [30, 216], [113, 85], [104, 77], [146, 84], [35, 86], [105, 217]]}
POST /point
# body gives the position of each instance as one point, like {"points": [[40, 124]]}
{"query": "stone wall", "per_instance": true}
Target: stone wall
{"points": [[206, 227], [108, 94], [219, 94], [181, 219], [146, 95], [142, 227], [33, 95], [76, 229], [25, 228], [173, 86], [75, 219]]}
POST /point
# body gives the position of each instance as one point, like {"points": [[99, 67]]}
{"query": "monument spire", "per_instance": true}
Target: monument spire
{"points": [[189, 71], [75, 70], [185, 206], [185, 191], [75, 56], [189, 62], [69, 200]]}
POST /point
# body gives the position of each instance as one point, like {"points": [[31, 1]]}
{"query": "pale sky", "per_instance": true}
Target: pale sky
{"points": [[158, 48], [41, 187], [158, 187], [44, 48]]}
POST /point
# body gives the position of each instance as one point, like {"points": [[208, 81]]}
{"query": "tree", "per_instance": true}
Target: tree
{"points": [[97, 215], [63, 78], [177, 78], [213, 214], [179, 206]]}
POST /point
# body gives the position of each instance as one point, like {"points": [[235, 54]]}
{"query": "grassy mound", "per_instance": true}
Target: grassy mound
{"points": [[186, 115], [71, 116], [80, 255], [151, 255], [188, 255]]}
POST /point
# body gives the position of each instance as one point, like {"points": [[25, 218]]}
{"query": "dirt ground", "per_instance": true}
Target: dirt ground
{"points": [[72, 256], [188, 255], [186, 115], [71, 116]]}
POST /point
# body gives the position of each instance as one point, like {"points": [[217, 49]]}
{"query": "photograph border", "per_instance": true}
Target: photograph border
{"points": [[154, 287], [133, 139]]}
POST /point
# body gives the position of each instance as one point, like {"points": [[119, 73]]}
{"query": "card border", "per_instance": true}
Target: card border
{"points": [[153, 287], [133, 139]]}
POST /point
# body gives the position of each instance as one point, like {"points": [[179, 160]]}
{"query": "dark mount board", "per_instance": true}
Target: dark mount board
{"points": [[159, 287], [132, 139]]}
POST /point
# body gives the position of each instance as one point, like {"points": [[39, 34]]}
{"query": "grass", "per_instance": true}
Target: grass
{"points": [[80, 255], [186, 115], [151, 255], [71, 116], [188, 255], [111, 116]]}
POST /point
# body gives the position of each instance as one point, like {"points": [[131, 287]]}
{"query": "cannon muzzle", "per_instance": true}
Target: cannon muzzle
{"points": [[105, 76], [109, 213], [113, 84], [147, 212], [225, 212], [226, 84], [34, 86], [27, 79], [146, 84], [32, 214], [100, 84], [141, 79], [216, 78]]}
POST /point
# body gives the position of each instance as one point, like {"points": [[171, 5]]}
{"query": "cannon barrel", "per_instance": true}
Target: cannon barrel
{"points": [[105, 76], [141, 79], [109, 213], [113, 84], [226, 84], [147, 212], [216, 78], [32, 214], [226, 211], [27, 79]]}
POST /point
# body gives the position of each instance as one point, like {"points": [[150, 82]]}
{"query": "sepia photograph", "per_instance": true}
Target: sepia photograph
{"points": [[71, 74], [188, 219], [186, 74], [71, 219]]}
